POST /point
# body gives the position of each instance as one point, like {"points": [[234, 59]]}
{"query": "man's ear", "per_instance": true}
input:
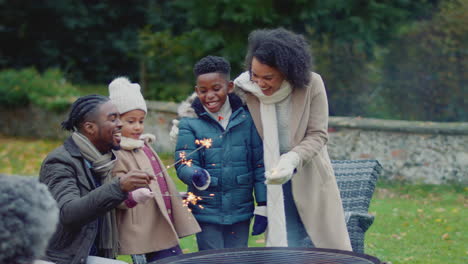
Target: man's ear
{"points": [[230, 86], [89, 128]]}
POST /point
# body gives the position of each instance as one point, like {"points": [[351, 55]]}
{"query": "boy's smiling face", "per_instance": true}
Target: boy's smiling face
{"points": [[212, 90]]}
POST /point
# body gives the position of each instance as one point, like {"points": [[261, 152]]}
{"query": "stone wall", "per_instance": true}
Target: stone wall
{"points": [[33, 122], [415, 151]]}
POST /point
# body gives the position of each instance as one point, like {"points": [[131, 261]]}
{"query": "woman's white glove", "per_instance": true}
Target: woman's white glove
{"points": [[142, 195], [174, 131], [284, 170]]}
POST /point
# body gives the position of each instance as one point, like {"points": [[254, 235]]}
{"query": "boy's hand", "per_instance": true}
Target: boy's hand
{"points": [[260, 221], [201, 179], [135, 179], [174, 131], [284, 170]]}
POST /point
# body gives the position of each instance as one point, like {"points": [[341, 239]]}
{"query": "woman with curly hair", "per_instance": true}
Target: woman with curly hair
{"points": [[289, 106]]}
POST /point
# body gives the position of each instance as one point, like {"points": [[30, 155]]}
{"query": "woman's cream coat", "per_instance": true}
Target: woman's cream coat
{"points": [[314, 185], [147, 227]]}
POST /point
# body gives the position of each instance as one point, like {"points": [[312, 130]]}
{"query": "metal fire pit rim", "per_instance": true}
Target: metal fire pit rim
{"points": [[256, 249]]}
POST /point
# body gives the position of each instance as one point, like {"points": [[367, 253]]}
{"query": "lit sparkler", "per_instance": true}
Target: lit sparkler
{"points": [[184, 160], [207, 142], [191, 198]]}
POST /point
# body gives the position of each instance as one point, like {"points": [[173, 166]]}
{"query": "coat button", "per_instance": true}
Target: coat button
{"points": [[82, 260]]}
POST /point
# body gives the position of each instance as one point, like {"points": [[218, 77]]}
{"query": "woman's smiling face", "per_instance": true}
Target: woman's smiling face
{"points": [[269, 79]]}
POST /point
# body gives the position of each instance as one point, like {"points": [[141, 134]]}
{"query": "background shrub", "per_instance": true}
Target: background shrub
{"points": [[49, 90], [425, 73]]}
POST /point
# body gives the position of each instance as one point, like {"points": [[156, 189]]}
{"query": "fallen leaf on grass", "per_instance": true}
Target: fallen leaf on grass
{"points": [[445, 236]]}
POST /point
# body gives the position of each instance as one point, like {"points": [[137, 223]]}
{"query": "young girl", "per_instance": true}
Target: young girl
{"points": [[151, 221]]}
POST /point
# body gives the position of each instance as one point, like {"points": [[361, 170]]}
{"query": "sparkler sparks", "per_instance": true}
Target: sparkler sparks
{"points": [[183, 159], [191, 199], [207, 142]]}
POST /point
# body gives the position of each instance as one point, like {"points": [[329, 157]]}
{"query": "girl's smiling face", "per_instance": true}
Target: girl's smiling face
{"points": [[133, 123]]}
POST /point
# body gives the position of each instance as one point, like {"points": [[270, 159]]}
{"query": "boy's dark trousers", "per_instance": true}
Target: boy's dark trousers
{"points": [[214, 236]]}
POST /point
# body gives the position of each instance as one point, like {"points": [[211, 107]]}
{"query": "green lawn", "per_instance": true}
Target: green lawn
{"points": [[414, 223], [419, 224]]}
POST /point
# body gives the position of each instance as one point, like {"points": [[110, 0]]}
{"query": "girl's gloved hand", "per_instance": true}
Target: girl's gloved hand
{"points": [[142, 195]]}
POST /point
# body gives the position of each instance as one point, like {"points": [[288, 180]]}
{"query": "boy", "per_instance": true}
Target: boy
{"points": [[225, 174]]}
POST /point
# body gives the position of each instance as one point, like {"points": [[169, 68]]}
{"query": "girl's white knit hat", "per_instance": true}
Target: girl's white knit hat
{"points": [[126, 95]]}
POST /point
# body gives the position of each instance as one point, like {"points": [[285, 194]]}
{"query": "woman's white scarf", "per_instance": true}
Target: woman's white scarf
{"points": [[277, 234]]}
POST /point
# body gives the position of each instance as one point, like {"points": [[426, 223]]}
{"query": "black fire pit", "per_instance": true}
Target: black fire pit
{"points": [[271, 255]]}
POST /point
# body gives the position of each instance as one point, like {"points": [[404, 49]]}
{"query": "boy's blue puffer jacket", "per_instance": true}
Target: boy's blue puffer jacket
{"points": [[234, 161]]}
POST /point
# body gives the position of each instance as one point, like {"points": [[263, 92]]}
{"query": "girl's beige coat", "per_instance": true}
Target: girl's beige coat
{"points": [[146, 227]]}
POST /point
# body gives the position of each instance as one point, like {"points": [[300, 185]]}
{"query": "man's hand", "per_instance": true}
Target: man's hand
{"points": [[135, 179]]}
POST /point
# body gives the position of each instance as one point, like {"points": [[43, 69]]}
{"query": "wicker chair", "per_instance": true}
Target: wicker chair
{"points": [[356, 180]]}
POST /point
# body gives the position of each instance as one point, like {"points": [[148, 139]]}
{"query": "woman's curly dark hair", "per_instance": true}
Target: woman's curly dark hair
{"points": [[284, 50]]}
